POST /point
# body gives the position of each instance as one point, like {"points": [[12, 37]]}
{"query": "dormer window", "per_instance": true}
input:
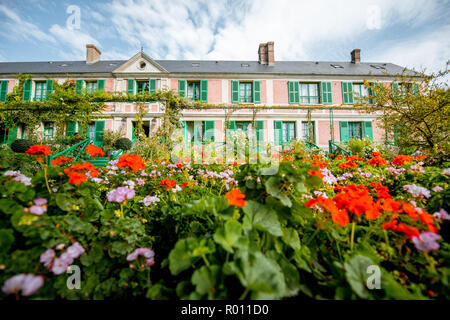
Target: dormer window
{"points": [[142, 65]]}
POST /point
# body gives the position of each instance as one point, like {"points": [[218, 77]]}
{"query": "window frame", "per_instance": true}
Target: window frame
{"points": [[246, 84], [94, 84], [309, 92], [195, 84], [288, 125], [350, 130], [43, 90], [144, 82], [304, 125], [49, 126]]}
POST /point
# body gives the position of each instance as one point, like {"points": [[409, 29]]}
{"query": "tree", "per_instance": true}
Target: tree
{"points": [[415, 110]]}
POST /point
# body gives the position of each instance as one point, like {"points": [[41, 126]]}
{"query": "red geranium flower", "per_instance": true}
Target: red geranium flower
{"points": [[402, 159], [167, 183], [236, 198], [94, 151], [132, 161], [76, 178], [60, 160], [39, 149], [316, 173]]}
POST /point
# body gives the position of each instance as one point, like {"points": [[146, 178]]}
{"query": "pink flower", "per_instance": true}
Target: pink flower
{"points": [[59, 266], [47, 257], [121, 194], [426, 241], [28, 284], [38, 210], [40, 201], [75, 250], [148, 254]]}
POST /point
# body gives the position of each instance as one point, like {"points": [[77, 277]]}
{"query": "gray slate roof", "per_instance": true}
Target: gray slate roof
{"points": [[209, 67]]}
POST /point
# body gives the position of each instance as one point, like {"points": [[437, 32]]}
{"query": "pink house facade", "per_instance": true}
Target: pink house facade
{"points": [[280, 88]]}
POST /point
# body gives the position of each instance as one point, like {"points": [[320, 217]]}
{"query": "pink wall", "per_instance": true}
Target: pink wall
{"points": [[324, 132], [109, 85], [218, 130], [263, 92], [11, 84], [174, 85], [337, 92], [280, 92], [214, 91], [108, 124], [378, 132]]}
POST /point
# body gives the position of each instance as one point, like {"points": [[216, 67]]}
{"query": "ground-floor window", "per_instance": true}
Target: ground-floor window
{"points": [[355, 130], [308, 129], [288, 131]]}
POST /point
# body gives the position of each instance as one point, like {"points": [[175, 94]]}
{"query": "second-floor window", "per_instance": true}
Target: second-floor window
{"points": [[193, 90], [245, 92], [91, 86], [39, 94], [309, 93], [142, 86], [48, 130]]}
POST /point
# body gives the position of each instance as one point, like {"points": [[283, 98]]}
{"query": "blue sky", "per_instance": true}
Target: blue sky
{"points": [[411, 33]]}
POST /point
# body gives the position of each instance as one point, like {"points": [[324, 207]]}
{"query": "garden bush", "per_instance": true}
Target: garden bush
{"points": [[21, 145], [123, 143], [161, 230]]}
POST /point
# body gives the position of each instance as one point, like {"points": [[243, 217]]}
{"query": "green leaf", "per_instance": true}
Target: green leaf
{"points": [[27, 195], [262, 218], [259, 274], [205, 279], [76, 224], [291, 238], [186, 252], [273, 187], [6, 239], [356, 274], [229, 235], [64, 202], [10, 206]]}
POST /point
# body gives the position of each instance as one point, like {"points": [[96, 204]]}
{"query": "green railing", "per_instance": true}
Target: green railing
{"points": [[74, 151], [336, 149], [311, 145]]}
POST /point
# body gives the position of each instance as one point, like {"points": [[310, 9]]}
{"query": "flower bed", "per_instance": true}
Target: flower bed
{"points": [[345, 228]]}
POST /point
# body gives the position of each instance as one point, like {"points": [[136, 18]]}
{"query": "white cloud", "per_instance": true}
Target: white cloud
{"points": [[17, 28], [74, 39]]}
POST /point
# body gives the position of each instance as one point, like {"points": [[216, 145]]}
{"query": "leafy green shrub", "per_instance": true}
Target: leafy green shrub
{"points": [[123, 143], [21, 145]]}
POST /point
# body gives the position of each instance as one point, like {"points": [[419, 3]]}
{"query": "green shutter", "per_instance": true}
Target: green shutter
{"points": [[415, 89], [70, 128], [101, 85], [152, 85], [3, 90], [327, 94], [130, 86], [99, 133], [259, 131], [394, 85], [79, 86], [278, 130], [257, 91], [208, 134], [185, 131], [48, 88], [368, 132], [133, 136], [347, 94], [343, 126], [204, 90], [182, 86], [234, 91], [27, 90], [232, 125], [12, 135], [293, 92]]}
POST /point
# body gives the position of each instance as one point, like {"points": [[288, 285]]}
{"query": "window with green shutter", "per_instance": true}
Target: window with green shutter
{"points": [[257, 91], [130, 86], [101, 84], [199, 131], [99, 128], [208, 134], [288, 132], [204, 90], [234, 91], [347, 92], [327, 93], [142, 86], [79, 86], [277, 127], [343, 130], [27, 90], [308, 131], [293, 92], [71, 128], [3, 90], [368, 131], [182, 84], [12, 135], [49, 88], [193, 90], [152, 85], [48, 130], [259, 132]]}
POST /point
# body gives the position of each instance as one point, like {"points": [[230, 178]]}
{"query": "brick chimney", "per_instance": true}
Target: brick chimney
{"points": [[356, 55], [266, 53], [262, 53], [92, 54], [270, 53]]}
